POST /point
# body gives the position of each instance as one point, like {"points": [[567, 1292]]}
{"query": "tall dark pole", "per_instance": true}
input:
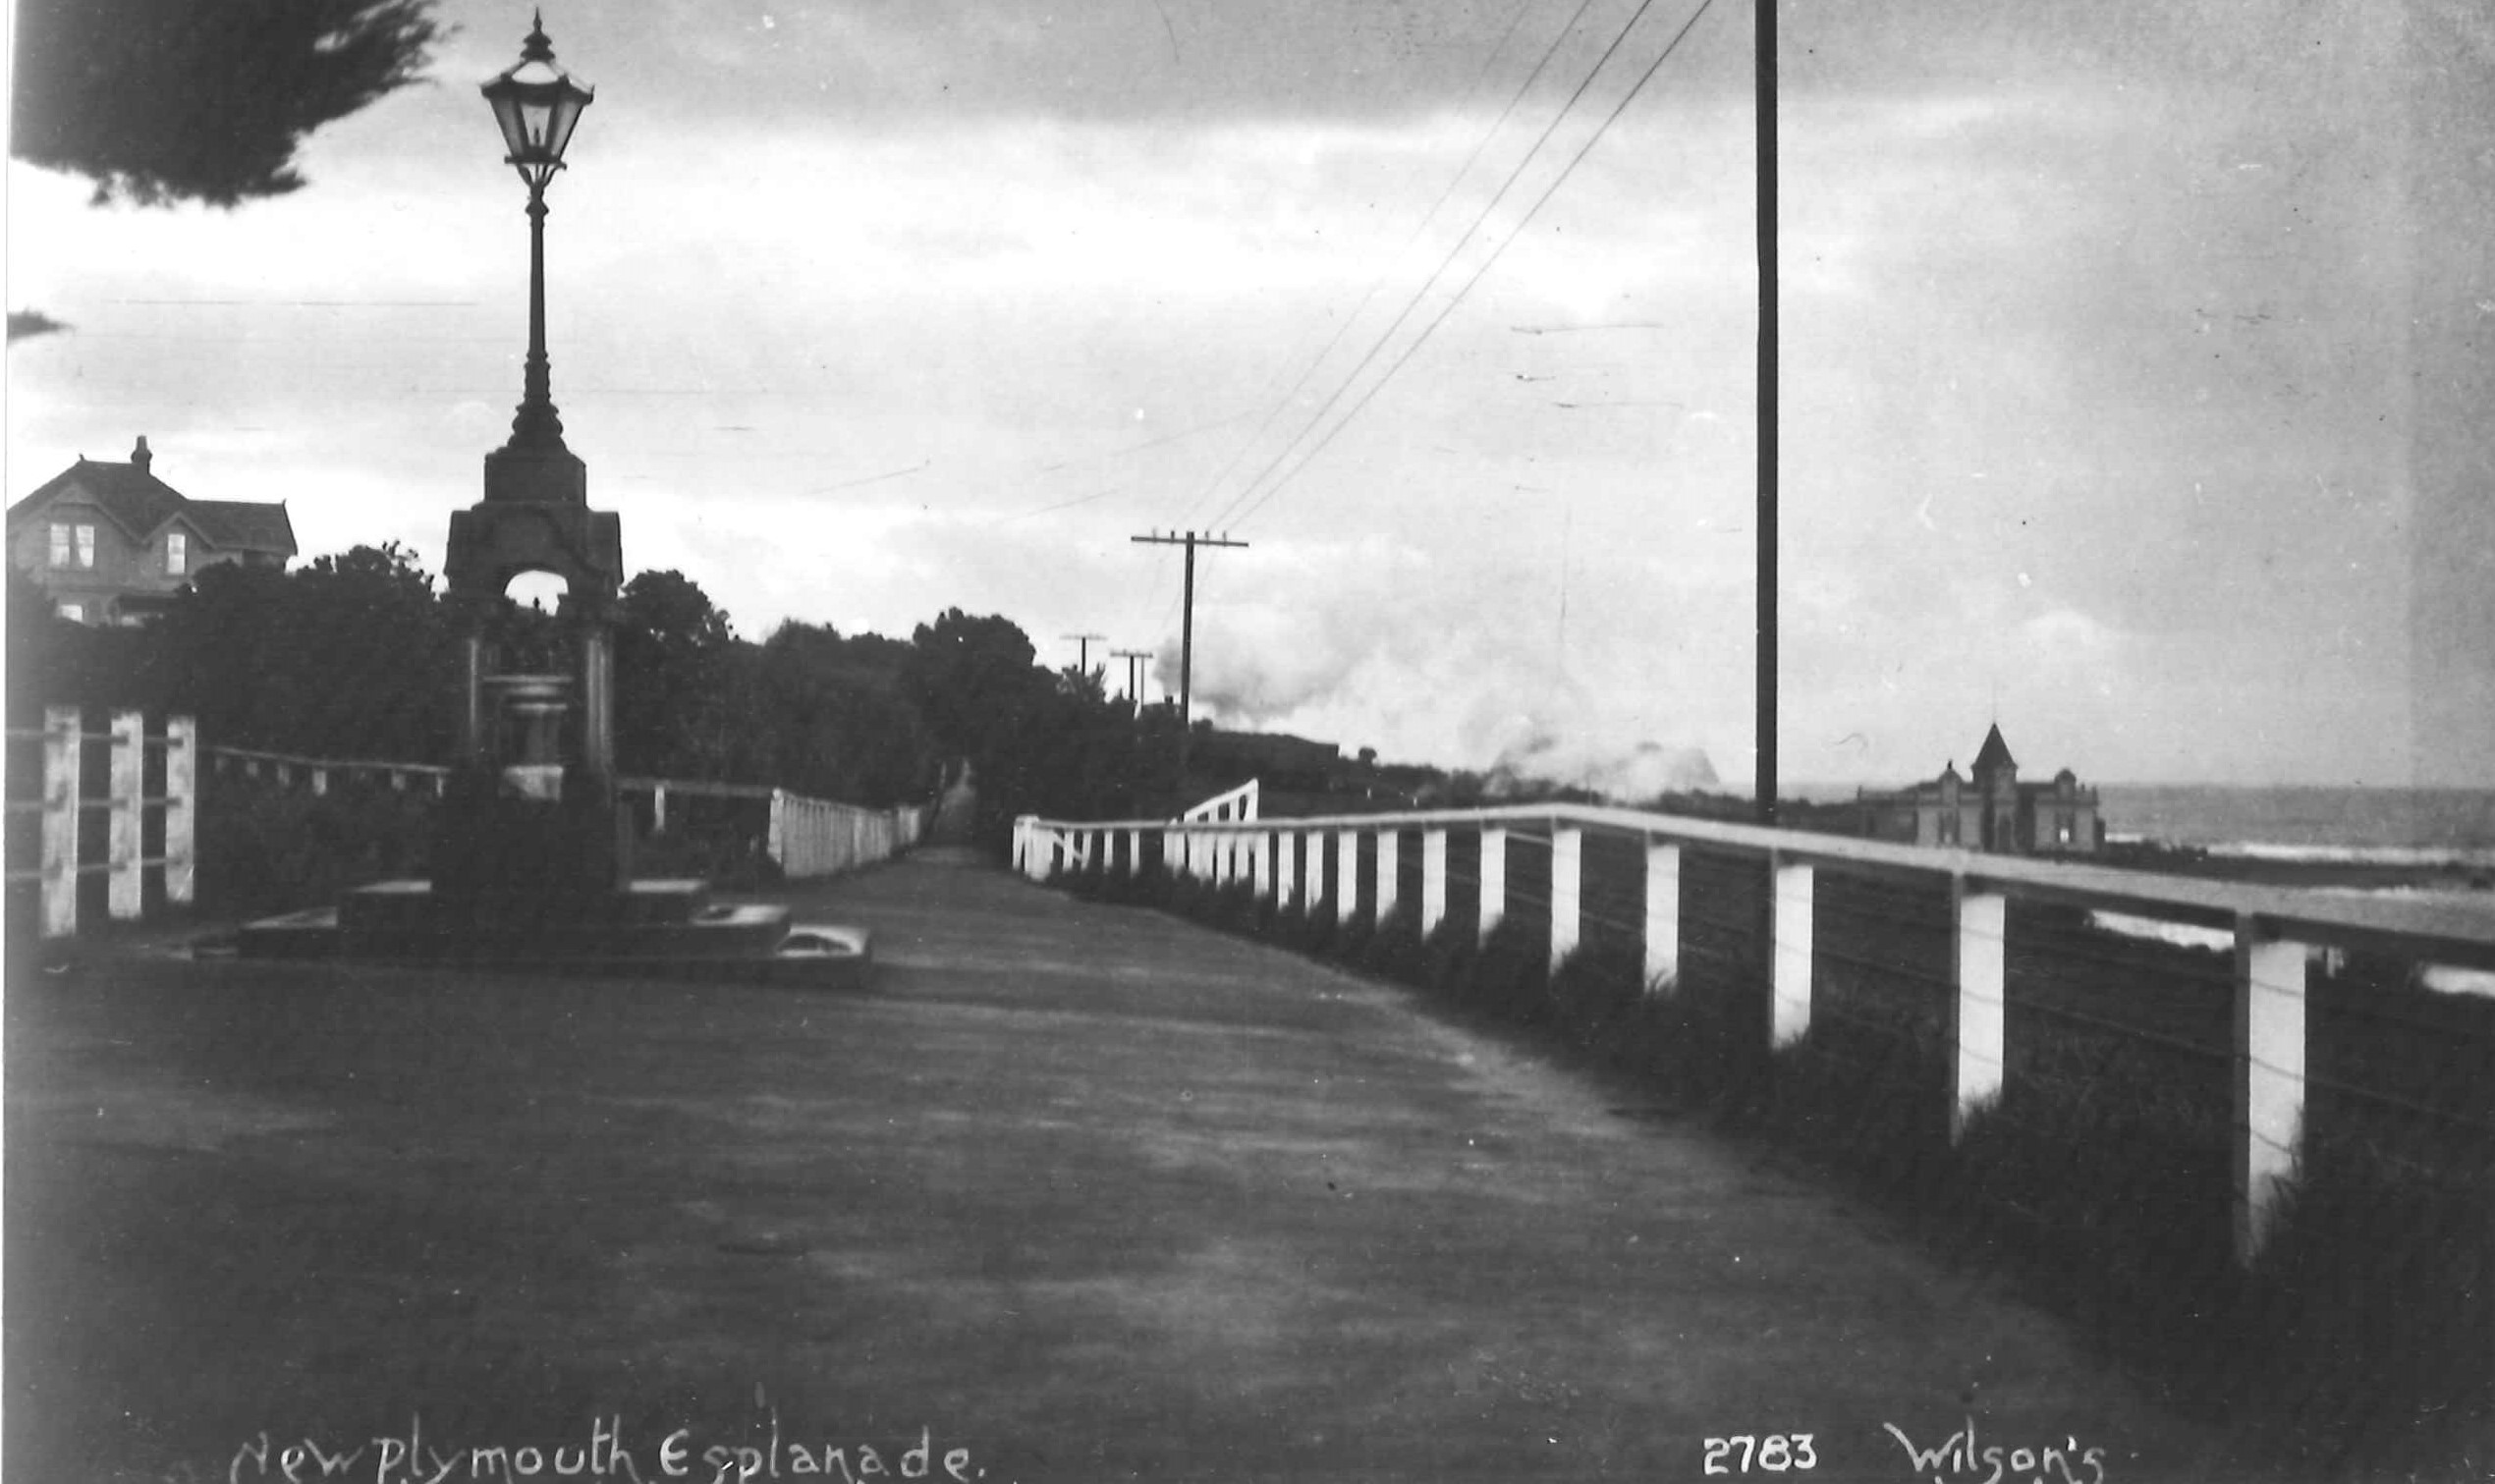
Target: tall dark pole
{"points": [[536, 417], [1765, 62], [1135, 659], [1186, 636], [1187, 660]]}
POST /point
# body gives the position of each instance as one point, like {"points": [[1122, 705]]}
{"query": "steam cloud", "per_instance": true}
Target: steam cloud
{"points": [[1460, 694]]}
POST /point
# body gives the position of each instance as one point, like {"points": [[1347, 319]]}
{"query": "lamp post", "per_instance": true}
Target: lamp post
{"points": [[537, 105], [530, 823]]}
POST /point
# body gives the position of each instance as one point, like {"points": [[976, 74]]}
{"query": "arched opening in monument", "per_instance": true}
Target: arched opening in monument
{"points": [[531, 684]]}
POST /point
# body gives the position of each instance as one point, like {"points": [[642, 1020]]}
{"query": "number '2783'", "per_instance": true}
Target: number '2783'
{"points": [[1768, 1453]]}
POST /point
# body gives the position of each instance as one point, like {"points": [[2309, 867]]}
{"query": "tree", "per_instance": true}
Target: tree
{"points": [[348, 656], [838, 719], [159, 102], [676, 668]]}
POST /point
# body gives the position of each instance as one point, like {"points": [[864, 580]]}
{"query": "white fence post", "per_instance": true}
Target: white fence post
{"points": [[775, 840], [1135, 853], [1286, 869], [182, 803], [1789, 954], [1315, 896], [2269, 1077], [123, 890], [1347, 874], [1663, 916], [62, 747], [1433, 879], [1568, 884], [1389, 846], [1983, 920], [1494, 879], [1260, 863], [658, 809]]}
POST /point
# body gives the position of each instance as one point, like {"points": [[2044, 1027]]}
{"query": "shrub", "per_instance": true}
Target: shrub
{"points": [[266, 849]]}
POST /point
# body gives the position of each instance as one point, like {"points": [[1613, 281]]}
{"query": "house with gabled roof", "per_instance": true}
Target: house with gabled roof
{"points": [[1992, 810], [111, 543]]}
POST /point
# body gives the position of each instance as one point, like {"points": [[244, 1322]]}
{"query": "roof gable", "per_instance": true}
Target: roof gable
{"points": [[141, 504], [135, 500], [243, 525], [1995, 752]]}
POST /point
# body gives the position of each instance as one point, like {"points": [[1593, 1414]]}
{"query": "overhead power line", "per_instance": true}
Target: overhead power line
{"points": [[1490, 261], [1462, 242], [1215, 484]]}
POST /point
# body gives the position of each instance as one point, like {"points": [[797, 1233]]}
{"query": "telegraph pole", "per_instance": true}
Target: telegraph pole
{"points": [[1084, 665], [1187, 633], [1763, 44], [1135, 659]]}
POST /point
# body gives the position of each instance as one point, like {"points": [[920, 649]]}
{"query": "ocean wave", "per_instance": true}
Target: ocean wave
{"points": [[2428, 856], [2446, 977]]}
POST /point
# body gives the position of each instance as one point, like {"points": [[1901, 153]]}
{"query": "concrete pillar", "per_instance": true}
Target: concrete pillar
{"points": [[1286, 869], [1347, 875], [1568, 887], [61, 759], [1433, 879], [1388, 867], [1788, 1016], [181, 807], [1494, 879], [123, 890], [1982, 933], [1663, 915], [2269, 1079]]}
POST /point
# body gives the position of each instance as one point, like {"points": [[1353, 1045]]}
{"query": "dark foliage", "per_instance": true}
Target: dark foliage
{"points": [[159, 102], [264, 848]]}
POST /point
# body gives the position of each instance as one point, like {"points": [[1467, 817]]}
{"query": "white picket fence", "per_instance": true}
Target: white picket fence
{"points": [[64, 804], [805, 836], [2276, 930]]}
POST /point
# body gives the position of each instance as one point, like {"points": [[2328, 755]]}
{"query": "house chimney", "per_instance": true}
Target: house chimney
{"points": [[139, 458]]}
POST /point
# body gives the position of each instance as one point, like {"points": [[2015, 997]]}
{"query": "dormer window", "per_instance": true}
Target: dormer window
{"points": [[177, 553], [72, 545]]}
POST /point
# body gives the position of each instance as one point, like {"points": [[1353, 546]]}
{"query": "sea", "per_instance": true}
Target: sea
{"points": [[2443, 827], [2394, 826]]}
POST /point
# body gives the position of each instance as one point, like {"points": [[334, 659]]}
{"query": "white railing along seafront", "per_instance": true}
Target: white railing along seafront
{"points": [[2276, 929]]}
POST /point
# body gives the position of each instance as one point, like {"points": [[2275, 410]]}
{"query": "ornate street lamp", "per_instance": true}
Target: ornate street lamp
{"points": [[529, 823], [537, 105]]}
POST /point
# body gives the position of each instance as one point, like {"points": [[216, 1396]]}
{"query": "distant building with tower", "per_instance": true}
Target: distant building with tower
{"points": [[111, 543], [1990, 810]]}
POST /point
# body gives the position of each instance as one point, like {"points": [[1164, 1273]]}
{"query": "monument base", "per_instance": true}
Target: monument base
{"points": [[668, 928]]}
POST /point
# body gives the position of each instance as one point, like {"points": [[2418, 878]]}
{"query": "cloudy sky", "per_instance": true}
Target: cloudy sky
{"points": [[2135, 356]]}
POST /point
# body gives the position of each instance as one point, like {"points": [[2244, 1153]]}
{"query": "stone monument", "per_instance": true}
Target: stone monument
{"points": [[532, 851]]}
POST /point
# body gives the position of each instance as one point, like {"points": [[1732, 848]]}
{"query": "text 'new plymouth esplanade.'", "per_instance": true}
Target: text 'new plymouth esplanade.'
{"points": [[532, 852]]}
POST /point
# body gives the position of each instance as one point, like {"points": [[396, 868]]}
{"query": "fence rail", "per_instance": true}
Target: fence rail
{"points": [[804, 835], [2276, 931], [65, 802]]}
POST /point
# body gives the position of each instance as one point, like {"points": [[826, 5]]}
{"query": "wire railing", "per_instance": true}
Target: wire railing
{"points": [[1964, 972]]}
